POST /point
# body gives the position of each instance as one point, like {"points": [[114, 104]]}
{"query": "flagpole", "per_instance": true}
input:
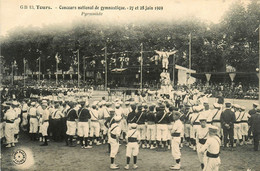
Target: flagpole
{"points": [[141, 61], [23, 72], [259, 64], [106, 68], [173, 69], [84, 68], [12, 73], [57, 69], [39, 68], [78, 66], [189, 56]]}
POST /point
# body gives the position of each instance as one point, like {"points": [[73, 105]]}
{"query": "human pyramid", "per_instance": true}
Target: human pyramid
{"points": [[165, 124]]}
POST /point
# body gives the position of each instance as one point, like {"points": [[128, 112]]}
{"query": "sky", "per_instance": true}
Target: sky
{"points": [[12, 16]]}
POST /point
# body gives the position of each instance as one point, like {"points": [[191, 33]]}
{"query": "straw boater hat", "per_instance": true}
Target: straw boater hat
{"points": [[44, 103], [133, 125]]}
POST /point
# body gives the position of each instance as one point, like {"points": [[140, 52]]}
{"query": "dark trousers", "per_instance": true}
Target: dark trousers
{"points": [[228, 133], [250, 131], [57, 129], [256, 136]]}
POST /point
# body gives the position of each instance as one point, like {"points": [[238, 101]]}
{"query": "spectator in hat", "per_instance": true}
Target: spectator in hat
{"points": [[251, 113], [227, 122], [255, 124]]}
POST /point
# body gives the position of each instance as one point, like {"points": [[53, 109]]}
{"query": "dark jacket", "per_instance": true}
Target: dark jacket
{"points": [[227, 117], [255, 122]]}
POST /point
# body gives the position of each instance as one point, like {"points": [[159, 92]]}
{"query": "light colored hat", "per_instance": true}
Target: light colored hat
{"points": [[133, 125], [15, 103], [44, 101], [117, 105], [216, 105], [94, 103], [33, 103], [256, 104], [243, 107]]}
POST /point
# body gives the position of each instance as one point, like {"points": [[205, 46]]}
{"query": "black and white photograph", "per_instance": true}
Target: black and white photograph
{"points": [[142, 85]]}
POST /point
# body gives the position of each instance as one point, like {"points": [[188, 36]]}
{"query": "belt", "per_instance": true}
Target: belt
{"points": [[209, 122], [176, 134], [46, 121], [94, 120], [216, 121], [196, 123], [243, 121], [113, 136], [212, 155], [8, 121], [237, 122], [32, 116], [24, 111], [84, 121], [132, 139], [202, 141]]}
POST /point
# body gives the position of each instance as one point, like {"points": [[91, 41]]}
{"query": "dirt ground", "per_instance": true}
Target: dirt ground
{"points": [[57, 156]]}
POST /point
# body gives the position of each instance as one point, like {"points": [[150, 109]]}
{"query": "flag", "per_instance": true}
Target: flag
{"points": [[57, 58], [190, 35]]}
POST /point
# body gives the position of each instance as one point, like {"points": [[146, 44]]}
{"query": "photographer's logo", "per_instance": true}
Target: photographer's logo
{"points": [[19, 157]]}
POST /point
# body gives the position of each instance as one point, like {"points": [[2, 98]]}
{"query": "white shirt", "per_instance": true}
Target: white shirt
{"points": [[56, 114], [9, 114], [119, 112], [202, 133], [177, 126], [32, 111], [244, 116], [131, 133], [216, 114], [212, 145], [94, 114], [17, 111], [238, 116], [115, 129]]}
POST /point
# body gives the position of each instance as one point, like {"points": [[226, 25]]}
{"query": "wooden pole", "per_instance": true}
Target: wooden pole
{"points": [[106, 68], [141, 66], [78, 67]]}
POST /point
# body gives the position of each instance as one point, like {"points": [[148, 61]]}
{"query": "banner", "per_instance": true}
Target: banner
{"points": [[208, 77], [232, 76]]}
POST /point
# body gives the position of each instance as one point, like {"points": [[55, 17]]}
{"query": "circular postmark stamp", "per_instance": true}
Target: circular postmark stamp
{"points": [[19, 157]]}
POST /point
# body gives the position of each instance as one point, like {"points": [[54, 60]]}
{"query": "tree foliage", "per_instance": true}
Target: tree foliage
{"points": [[232, 42]]}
